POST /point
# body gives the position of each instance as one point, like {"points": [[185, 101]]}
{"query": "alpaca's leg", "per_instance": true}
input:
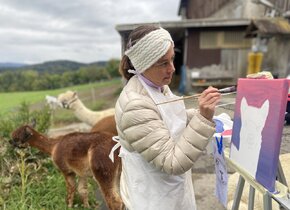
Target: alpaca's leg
{"points": [[107, 175], [83, 191], [117, 200], [110, 187], [113, 194], [70, 188], [112, 198]]}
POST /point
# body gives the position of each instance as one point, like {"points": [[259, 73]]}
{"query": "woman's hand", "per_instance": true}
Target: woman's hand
{"points": [[207, 102]]}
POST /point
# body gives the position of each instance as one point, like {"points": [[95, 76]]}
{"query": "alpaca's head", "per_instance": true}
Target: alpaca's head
{"points": [[67, 98], [21, 136]]}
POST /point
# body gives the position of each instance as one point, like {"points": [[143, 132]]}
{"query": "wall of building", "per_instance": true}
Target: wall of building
{"points": [[283, 5], [231, 8], [240, 9], [235, 62], [277, 58], [203, 8], [197, 57]]}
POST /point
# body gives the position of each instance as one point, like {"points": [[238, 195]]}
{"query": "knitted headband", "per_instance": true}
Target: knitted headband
{"points": [[149, 49]]}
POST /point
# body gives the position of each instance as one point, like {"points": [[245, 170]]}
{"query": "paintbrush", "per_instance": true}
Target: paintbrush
{"points": [[223, 91]]}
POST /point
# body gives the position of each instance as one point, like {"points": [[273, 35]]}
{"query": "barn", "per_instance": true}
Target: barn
{"points": [[213, 40]]}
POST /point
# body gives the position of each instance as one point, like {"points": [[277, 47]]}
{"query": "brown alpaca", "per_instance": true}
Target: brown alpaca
{"points": [[79, 154], [106, 124]]}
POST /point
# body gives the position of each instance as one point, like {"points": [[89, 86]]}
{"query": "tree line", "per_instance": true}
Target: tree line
{"points": [[31, 80]]}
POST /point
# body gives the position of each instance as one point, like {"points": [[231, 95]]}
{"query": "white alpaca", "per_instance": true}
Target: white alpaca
{"points": [[52, 102], [70, 100], [252, 123]]}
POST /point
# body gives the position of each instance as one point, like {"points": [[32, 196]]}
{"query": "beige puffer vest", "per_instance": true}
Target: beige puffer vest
{"points": [[141, 129]]}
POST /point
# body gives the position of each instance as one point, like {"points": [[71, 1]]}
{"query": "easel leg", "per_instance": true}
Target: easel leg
{"points": [[251, 198], [281, 176], [267, 201], [238, 193]]}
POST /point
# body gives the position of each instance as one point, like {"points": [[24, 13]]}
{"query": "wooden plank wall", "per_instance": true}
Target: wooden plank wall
{"points": [[203, 8], [197, 57], [281, 4]]}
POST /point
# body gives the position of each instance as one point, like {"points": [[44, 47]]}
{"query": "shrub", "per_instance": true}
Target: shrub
{"points": [[10, 172]]}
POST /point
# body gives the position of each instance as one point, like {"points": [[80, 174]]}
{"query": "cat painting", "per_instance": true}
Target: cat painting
{"points": [[252, 123]]}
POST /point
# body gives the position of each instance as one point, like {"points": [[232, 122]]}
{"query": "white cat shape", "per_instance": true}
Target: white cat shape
{"points": [[253, 121]]}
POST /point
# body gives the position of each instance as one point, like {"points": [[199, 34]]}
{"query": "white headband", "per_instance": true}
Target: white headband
{"points": [[149, 49]]}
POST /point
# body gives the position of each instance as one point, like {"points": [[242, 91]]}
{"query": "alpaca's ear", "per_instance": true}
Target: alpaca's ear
{"points": [[75, 94], [28, 131], [33, 123]]}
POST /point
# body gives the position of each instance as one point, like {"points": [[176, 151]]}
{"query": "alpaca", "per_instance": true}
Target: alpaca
{"points": [[252, 123], [52, 102], [107, 124], [70, 100], [79, 154]]}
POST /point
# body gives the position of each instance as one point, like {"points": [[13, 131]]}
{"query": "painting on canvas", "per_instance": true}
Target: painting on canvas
{"points": [[258, 125]]}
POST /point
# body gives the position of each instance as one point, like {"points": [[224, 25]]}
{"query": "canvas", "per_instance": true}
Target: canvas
{"points": [[257, 129]]}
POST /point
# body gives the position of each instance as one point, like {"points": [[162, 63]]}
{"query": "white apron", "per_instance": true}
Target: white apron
{"points": [[147, 187]]}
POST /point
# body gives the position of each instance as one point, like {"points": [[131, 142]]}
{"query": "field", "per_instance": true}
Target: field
{"points": [[28, 178], [10, 101]]}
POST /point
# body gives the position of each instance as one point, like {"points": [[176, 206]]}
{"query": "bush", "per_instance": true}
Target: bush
{"points": [[10, 164], [24, 116]]}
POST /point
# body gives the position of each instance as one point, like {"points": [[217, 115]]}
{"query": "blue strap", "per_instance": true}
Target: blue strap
{"points": [[219, 144]]}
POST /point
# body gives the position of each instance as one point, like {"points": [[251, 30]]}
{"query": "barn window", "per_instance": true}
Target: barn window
{"points": [[223, 39]]}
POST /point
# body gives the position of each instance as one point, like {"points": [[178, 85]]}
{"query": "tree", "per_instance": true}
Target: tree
{"points": [[112, 67]]}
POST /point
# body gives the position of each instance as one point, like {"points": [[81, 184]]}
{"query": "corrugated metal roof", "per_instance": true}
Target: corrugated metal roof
{"points": [[182, 3], [268, 27], [190, 23]]}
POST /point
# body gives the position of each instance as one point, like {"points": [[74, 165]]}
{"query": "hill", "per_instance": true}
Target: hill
{"points": [[9, 65], [59, 66]]}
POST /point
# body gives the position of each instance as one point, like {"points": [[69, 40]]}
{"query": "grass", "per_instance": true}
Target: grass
{"points": [[45, 190], [10, 101], [25, 187]]}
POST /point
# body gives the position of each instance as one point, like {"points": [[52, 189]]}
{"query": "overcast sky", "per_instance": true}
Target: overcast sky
{"points": [[34, 31]]}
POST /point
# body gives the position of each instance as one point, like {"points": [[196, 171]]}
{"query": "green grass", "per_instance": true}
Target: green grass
{"points": [[10, 101], [43, 187], [45, 190]]}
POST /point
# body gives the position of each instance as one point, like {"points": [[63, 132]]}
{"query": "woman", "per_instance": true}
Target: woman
{"points": [[159, 143]]}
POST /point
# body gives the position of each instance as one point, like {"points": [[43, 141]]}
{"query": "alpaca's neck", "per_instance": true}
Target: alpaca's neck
{"points": [[84, 114], [42, 143]]}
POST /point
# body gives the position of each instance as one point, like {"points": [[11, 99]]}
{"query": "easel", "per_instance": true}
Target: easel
{"points": [[282, 197]]}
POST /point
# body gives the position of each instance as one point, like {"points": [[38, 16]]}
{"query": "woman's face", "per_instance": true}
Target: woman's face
{"points": [[162, 71]]}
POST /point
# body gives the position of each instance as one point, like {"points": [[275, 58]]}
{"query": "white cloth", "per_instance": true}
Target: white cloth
{"points": [[145, 187], [111, 155], [219, 142]]}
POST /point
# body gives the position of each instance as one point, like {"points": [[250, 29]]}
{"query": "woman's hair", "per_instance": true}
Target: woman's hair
{"points": [[133, 38]]}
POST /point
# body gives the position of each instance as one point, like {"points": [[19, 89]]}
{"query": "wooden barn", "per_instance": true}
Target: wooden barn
{"points": [[213, 40]]}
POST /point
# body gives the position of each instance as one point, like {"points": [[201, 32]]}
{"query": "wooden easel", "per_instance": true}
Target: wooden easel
{"points": [[282, 197]]}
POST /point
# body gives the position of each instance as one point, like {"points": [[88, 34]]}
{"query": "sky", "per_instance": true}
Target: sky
{"points": [[36, 31]]}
